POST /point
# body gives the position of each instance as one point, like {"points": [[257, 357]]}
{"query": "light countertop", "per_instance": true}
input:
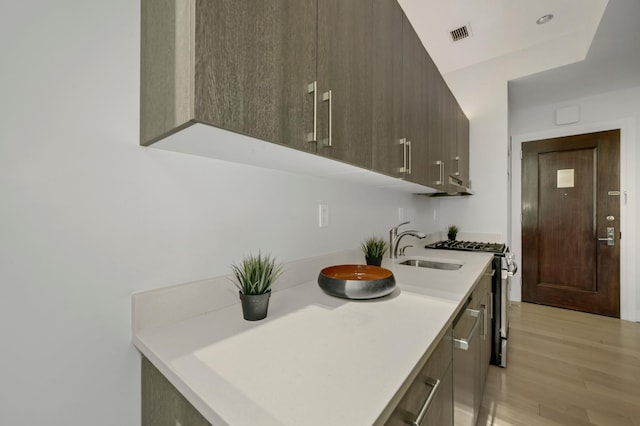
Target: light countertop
{"points": [[315, 359]]}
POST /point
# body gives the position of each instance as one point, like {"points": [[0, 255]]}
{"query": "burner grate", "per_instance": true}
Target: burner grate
{"points": [[468, 246]]}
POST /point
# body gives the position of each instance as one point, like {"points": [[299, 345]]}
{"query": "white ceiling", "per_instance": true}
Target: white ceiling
{"points": [[612, 63], [605, 33]]}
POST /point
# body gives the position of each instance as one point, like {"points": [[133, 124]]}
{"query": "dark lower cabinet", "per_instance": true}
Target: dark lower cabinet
{"points": [[429, 398], [162, 404]]}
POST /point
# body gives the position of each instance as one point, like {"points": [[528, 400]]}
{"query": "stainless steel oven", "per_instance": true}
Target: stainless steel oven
{"points": [[504, 267], [507, 269]]}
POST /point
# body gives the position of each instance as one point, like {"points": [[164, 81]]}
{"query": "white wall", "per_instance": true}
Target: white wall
{"points": [[482, 93], [620, 109], [88, 217]]}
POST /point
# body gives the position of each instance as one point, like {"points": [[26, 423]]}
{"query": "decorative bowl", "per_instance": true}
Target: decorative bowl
{"points": [[356, 281]]}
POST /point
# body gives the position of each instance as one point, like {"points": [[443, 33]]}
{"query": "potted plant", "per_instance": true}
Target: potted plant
{"points": [[254, 277], [452, 232], [373, 249]]}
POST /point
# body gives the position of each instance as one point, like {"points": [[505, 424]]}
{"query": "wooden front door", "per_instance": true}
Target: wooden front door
{"points": [[570, 196]]}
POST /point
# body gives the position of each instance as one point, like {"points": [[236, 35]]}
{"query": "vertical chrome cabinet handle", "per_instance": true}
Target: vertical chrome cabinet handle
{"points": [[485, 315], [435, 386], [409, 156], [313, 88], [403, 142], [457, 173], [439, 164], [326, 97]]}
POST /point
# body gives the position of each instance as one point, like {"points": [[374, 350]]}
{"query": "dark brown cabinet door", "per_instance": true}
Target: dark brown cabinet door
{"points": [[462, 154], [440, 411], [438, 105], [420, 147], [450, 142], [414, 111], [344, 62], [387, 89], [162, 404], [253, 62], [458, 149], [449, 139]]}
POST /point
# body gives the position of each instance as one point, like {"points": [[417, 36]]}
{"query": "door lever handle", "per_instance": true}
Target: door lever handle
{"points": [[610, 239]]}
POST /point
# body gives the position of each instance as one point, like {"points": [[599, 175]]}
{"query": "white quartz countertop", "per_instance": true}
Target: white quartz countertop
{"points": [[316, 359]]}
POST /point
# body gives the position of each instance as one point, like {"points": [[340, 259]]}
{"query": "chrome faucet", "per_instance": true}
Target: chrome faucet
{"points": [[394, 239]]}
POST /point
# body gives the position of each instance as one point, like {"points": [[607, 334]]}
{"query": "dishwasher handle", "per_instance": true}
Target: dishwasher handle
{"points": [[463, 343]]}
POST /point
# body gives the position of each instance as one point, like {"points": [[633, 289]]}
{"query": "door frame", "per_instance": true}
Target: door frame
{"points": [[628, 245]]}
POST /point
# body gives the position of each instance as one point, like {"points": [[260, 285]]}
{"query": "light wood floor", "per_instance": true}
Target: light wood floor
{"points": [[565, 368]]}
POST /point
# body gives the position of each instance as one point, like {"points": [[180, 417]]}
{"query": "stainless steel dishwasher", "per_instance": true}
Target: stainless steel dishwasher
{"points": [[467, 365]]}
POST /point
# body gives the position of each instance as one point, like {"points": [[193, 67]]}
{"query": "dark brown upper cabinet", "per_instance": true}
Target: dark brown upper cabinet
{"points": [[455, 145], [438, 121], [448, 137], [387, 127], [344, 80], [239, 65], [415, 105], [460, 157], [256, 68], [399, 120], [419, 132]]}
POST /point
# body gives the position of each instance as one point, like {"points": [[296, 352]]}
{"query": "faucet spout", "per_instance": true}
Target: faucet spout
{"points": [[394, 238]]}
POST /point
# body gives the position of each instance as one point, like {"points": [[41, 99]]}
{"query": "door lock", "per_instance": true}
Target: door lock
{"points": [[610, 236]]}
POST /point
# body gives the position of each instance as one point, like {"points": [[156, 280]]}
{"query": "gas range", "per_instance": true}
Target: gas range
{"points": [[504, 267], [496, 248]]}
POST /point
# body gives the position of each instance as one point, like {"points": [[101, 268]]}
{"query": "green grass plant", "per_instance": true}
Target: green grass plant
{"points": [[374, 247], [256, 274]]}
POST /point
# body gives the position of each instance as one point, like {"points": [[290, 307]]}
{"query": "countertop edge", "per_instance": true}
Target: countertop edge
{"points": [[212, 416]]}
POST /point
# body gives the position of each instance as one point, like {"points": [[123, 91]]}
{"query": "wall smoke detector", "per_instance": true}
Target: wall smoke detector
{"points": [[460, 33]]}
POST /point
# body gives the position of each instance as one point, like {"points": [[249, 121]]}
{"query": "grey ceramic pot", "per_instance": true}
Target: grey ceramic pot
{"points": [[255, 306]]}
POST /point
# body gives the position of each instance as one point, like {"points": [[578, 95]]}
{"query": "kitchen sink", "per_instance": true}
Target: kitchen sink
{"points": [[422, 263]]}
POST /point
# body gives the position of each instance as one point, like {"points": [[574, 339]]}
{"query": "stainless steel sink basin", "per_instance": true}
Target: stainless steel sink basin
{"points": [[422, 263]]}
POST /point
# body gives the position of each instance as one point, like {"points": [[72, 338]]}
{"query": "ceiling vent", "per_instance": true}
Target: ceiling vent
{"points": [[460, 33]]}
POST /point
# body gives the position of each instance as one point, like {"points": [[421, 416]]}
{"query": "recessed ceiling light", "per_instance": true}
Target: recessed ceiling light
{"points": [[544, 19]]}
